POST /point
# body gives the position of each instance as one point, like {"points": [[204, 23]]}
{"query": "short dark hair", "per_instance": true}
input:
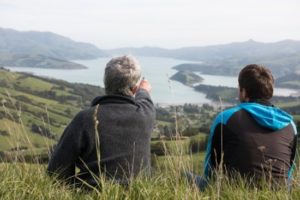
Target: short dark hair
{"points": [[258, 82]]}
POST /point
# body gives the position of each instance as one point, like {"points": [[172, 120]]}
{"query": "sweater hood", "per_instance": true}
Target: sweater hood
{"points": [[268, 116]]}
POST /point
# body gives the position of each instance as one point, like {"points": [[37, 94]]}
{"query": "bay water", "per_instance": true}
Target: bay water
{"points": [[155, 69]]}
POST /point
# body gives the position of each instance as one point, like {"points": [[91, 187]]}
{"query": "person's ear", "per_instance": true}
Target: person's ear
{"points": [[243, 95], [134, 89]]}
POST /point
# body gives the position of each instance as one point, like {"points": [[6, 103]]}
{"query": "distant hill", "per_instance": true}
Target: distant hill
{"points": [[289, 81], [282, 57], [187, 78], [38, 109], [37, 61], [248, 48], [141, 51], [47, 44]]}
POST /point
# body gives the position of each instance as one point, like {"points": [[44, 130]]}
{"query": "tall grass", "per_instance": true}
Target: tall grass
{"points": [[30, 181]]}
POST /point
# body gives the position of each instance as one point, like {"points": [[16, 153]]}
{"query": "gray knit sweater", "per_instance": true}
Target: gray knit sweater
{"points": [[124, 129]]}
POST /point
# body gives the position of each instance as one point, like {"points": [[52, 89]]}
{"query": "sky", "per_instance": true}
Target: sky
{"points": [[163, 23]]}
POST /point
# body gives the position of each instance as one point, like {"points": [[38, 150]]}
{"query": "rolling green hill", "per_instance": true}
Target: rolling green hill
{"points": [[34, 111]]}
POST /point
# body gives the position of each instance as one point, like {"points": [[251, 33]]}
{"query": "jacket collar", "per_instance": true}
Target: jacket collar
{"points": [[261, 101], [113, 99]]}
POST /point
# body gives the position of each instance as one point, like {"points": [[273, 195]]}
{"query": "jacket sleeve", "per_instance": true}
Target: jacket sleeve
{"points": [[216, 147], [212, 151], [217, 142], [293, 155], [143, 98], [67, 151]]}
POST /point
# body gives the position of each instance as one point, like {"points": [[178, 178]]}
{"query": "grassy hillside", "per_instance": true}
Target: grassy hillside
{"points": [[37, 109]]}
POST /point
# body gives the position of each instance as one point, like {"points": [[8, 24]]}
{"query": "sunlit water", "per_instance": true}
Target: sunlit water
{"points": [[156, 70]]}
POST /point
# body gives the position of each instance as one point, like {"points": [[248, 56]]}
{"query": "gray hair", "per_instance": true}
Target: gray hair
{"points": [[121, 75]]}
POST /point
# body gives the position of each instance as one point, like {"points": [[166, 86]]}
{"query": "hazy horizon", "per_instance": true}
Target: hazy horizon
{"points": [[153, 23], [147, 46]]}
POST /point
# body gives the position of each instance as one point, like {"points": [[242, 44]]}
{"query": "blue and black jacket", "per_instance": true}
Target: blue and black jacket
{"points": [[254, 139]]}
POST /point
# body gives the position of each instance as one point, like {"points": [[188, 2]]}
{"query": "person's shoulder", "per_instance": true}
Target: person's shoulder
{"points": [[85, 114], [225, 115]]}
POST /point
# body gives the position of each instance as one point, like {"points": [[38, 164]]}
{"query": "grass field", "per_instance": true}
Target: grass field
{"points": [[30, 181]]}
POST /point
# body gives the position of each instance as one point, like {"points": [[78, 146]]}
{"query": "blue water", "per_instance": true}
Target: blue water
{"points": [[156, 70]]}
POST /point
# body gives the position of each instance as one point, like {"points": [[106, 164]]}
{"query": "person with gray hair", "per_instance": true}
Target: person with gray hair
{"points": [[112, 137], [122, 75]]}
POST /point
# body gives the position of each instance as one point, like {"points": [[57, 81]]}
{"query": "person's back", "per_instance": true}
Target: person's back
{"points": [[115, 130], [254, 139], [258, 140]]}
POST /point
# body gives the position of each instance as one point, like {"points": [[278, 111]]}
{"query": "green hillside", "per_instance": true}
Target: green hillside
{"points": [[34, 111]]}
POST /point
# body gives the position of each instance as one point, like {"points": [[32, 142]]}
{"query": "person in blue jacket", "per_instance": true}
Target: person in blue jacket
{"points": [[254, 139]]}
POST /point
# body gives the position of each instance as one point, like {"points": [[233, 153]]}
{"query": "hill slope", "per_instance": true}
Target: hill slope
{"points": [[38, 109]]}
